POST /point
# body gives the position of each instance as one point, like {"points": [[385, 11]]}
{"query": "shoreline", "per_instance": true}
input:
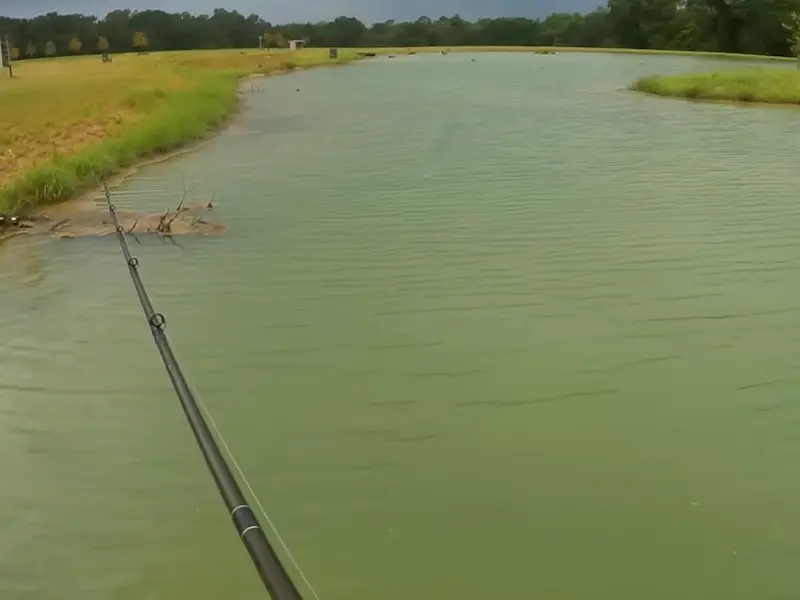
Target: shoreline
{"points": [[38, 202], [718, 101], [206, 103], [85, 199]]}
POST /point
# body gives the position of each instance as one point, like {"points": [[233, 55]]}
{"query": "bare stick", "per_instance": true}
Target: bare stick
{"points": [[185, 193], [160, 226], [59, 224], [166, 226], [130, 231]]}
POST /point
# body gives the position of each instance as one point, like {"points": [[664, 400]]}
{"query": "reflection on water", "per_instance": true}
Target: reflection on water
{"points": [[476, 329], [22, 264]]}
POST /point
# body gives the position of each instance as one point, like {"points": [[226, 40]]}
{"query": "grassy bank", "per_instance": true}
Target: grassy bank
{"points": [[64, 122], [770, 86]]}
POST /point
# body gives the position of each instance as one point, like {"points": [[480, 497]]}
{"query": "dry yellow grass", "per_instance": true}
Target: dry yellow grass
{"points": [[62, 106]]}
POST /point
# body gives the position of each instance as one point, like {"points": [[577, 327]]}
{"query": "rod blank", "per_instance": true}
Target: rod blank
{"points": [[276, 580]]}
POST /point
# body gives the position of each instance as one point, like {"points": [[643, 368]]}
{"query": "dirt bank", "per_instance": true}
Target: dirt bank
{"points": [[88, 219]]}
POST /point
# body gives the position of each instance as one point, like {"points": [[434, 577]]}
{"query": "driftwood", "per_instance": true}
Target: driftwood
{"points": [[182, 220], [164, 225]]}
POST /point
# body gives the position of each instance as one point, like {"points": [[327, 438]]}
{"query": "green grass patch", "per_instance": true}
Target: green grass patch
{"points": [[764, 85], [186, 116]]}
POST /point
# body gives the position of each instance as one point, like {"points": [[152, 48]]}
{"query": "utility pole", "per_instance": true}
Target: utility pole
{"points": [[5, 55]]}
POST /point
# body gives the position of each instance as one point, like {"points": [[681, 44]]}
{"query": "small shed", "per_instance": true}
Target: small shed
{"points": [[297, 44]]}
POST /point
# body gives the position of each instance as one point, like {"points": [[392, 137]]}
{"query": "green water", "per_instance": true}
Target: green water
{"points": [[477, 330]]}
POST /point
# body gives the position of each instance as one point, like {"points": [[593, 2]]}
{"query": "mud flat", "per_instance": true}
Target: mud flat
{"points": [[90, 221]]}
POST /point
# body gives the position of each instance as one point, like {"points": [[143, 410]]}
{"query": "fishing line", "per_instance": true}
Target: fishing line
{"points": [[235, 463], [278, 583]]}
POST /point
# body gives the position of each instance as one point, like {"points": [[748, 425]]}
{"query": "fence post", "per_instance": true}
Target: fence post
{"points": [[5, 55]]}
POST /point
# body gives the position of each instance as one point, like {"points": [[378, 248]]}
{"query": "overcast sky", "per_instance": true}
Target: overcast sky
{"points": [[282, 11]]}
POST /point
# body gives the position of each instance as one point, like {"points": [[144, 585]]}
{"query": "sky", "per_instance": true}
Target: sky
{"points": [[283, 11]]}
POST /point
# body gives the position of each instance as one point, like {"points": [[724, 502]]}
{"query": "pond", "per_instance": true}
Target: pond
{"points": [[476, 329]]}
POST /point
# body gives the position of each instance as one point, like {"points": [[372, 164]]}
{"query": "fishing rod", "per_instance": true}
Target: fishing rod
{"points": [[269, 567]]}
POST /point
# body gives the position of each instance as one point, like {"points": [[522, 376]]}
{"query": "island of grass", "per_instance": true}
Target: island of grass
{"points": [[764, 85]]}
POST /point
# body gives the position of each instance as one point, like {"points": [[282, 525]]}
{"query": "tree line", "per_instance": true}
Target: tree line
{"points": [[749, 26]]}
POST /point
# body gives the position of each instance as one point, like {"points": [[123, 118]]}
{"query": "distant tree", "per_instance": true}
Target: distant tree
{"points": [[140, 41], [75, 45], [750, 26], [15, 53], [30, 50], [275, 39], [793, 37], [348, 31], [102, 44]]}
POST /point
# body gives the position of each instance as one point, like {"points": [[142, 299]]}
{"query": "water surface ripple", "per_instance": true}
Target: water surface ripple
{"points": [[478, 329]]}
